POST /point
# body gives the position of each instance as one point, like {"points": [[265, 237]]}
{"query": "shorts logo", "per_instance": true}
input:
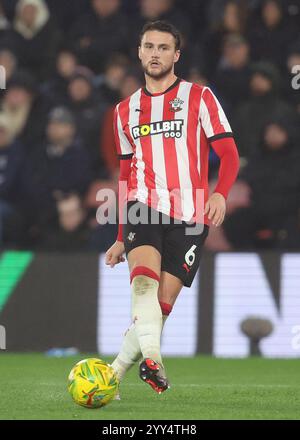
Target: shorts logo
{"points": [[131, 236], [170, 129], [186, 268], [176, 105]]}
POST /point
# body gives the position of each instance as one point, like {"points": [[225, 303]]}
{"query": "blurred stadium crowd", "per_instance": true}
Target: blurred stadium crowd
{"points": [[69, 62]]}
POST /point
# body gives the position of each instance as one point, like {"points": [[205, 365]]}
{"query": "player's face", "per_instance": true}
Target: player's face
{"points": [[158, 54]]}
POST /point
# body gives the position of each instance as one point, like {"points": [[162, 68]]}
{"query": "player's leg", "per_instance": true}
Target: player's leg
{"points": [[143, 246], [180, 262], [144, 265], [147, 317], [170, 285], [169, 288], [130, 351], [177, 269]]}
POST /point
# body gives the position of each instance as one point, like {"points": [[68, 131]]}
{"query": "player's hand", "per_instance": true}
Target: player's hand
{"points": [[215, 208], [114, 255]]}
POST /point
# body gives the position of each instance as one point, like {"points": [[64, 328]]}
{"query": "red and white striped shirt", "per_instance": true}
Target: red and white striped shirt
{"points": [[168, 135]]}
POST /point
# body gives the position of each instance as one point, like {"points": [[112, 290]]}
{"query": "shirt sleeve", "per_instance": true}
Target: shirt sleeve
{"points": [[229, 164], [123, 146], [125, 167], [212, 117]]}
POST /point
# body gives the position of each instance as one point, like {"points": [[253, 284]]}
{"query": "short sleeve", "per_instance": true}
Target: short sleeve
{"points": [[212, 117], [123, 146]]}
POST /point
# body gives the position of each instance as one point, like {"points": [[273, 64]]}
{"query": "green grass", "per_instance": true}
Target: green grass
{"points": [[34, 387]]}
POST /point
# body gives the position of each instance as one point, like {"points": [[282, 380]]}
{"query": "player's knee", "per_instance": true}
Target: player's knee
{"points": [[143, 279]]}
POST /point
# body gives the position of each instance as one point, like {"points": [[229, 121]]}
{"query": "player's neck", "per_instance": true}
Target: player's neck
{"points": [[159, 85]]}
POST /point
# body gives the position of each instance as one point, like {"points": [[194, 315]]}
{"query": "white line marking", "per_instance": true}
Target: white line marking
{"points": [[197, 385]]}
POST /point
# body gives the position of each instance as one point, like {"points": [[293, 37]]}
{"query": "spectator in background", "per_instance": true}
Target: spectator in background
{"points": [[56, 89], [233, 72], [100, 33], [67, 12], [131, 82], [11, 158], [71, 232], [4, 23], [264, 103], [88, 110], [60, 164], [274, 179], [9, 7], [293, 11], [112, 79], [238, 198], [215, 9], [152, 10], [196, 10], [35, 37], [104, 235], [197, 76], [272, 34], [25, 109], [234, 20]]}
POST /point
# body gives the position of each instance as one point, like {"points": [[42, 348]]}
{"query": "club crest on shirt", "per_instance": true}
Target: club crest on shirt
{"points": [[131, 236], [176, 105]]}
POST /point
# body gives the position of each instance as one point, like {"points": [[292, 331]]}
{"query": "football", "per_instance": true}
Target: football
{"points": [[92, 383]]}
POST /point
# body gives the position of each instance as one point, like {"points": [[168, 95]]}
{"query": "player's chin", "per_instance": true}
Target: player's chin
{"points": [[155, 72]]}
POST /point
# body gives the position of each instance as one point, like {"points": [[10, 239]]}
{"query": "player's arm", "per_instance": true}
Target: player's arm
{"points": [[114, 254], [219, 134], [227, 151]]}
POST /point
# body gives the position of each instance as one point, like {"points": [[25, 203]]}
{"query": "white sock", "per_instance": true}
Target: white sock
{"points": [[147, 315], [130, 352]]}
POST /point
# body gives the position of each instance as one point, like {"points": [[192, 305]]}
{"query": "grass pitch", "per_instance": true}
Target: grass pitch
{"points": [[33, 386]]}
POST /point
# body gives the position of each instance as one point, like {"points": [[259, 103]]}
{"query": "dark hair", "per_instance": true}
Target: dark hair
{"points": [[162, 26]]}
